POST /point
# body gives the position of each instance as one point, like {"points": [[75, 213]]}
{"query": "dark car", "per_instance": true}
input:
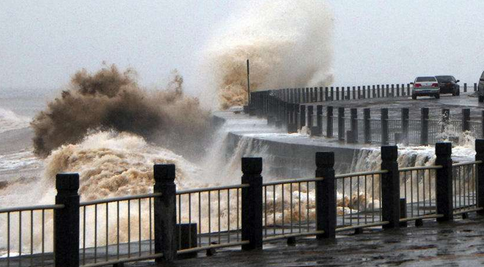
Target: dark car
{"points": [[448, 85]]}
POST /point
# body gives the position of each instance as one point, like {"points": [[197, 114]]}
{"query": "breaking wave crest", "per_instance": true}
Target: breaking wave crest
{"points": [[110, 99], [287, 42]]}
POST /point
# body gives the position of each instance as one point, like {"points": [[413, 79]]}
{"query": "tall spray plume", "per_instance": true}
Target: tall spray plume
{"points": [[112, 100], [288, 43]]}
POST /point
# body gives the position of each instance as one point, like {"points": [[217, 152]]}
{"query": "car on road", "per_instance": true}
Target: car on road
{"points": [[425, 86], [481, 88], [448, 85]]}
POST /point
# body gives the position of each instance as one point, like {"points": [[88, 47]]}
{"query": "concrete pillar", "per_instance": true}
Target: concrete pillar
{"points": [[66, 221], [466, 117], [165, 212], [424, 126], [252, 203], [390, 182], [325, 195], [405, 125], [354, 124], [341, 123], [443, 151], [329, 122], [367, 124], [384, 126]]}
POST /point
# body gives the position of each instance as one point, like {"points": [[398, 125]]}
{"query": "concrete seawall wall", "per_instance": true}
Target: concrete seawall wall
{"points": [[286, 159]]}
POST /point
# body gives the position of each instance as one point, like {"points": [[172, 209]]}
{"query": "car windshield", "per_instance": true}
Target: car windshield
{"points": [[444, 79], [425, 79]]}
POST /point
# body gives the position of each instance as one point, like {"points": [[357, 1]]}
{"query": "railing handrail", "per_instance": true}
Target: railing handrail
{"points": [[292, 181], [32, 208], [467, 163], [116, 199], [207, 189], [341, 176], [418, 168]]}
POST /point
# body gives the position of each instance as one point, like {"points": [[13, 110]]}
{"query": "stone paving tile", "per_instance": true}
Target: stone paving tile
{"points": [[459, 243]]}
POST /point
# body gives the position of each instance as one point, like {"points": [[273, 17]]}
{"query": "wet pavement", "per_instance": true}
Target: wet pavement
{"points": [[459, 243]]}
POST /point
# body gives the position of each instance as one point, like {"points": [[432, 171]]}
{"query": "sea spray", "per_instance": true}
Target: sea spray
{"points": [[288, 43], [110, 99]]}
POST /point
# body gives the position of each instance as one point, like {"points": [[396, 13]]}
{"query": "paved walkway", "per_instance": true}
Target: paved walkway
{"points": [[459, 243]]}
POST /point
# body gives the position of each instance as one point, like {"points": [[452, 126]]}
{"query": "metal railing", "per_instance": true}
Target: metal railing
{"points": [[465, 185], [117, 230], [419, 190], [289, 208], [358, 200], [215, 212], [28, 235]]}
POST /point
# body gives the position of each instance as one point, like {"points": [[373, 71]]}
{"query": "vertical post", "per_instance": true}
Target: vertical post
{"points": [[359, 92], [373, 91], [302, 118], [165, 212], [252, 203], [310, 116], [337, 93], [329, 121], [354, 124], [408, 89], [363, 95], [466, 117], [443, 151], [475, 87], [424, 126], [445, 118], [319, 120], [482, 124], [405, 124], [321, 94], [465, 87], [341, 123], [326, 92], [348, 93], [354, 93], [378, 90], [384, 126], [332, 93], [480, 174], [390, 182], [248, 82], [325, 195], [367, 123], [398, 90], [393, 90], [387, 90], [66, 221]]}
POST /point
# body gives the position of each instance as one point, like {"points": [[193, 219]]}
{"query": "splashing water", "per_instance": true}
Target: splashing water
{"points": [[287, 42]]}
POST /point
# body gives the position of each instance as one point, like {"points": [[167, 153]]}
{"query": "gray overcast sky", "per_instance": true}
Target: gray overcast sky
{"points": [[42, 43]]}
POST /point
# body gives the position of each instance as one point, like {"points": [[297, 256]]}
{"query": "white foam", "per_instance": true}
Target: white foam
{"points": [[9, 120]]}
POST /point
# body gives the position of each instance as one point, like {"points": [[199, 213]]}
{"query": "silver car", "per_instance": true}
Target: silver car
{"points": [[426, 86]]}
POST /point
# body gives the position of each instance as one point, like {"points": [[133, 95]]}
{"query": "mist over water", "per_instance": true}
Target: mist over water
{"points": [[288, 43]]}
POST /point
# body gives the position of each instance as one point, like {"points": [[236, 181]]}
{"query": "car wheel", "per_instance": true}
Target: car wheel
{"points": [[437, 96], [414, 97]]}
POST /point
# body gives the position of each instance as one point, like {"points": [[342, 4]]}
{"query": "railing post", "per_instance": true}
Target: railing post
{"points": [[359, 92], [373, 91], [424, 126], [348, 93], [384, 126], [378, 91], [354, 124], [329, 121], [390, 183], [482, 124], [318, 130], [332, 93], [408, 89], [445, 118], [326, 92], [310, 117], [480, 174], [465, 87], [466, 117], [165, 212], [341, 123], [302, 118], [325, 195], [337, 93], [367, 123], [354, 93], [66, 221], [405, 124], [321, 94], [443, 151], [252, 203]]}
